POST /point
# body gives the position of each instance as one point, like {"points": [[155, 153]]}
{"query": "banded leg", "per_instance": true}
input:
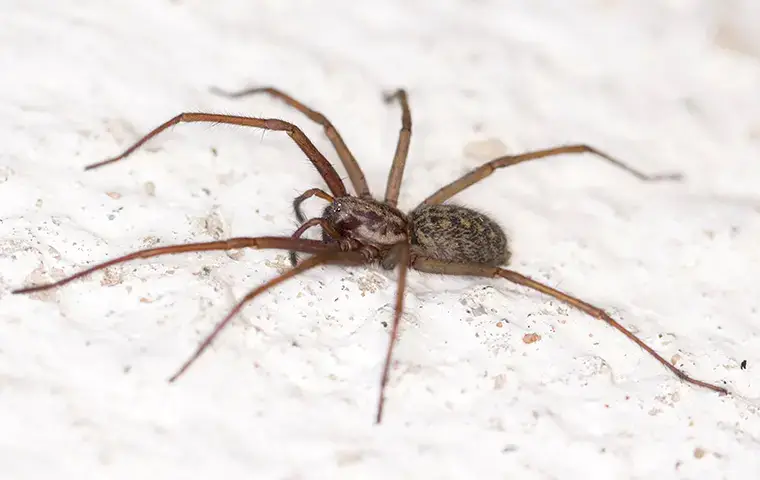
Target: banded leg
{"points": [[433, 266], [320, 259], [352, 167], [393, 187], [487, 169], [325, 169], [285, 243]]}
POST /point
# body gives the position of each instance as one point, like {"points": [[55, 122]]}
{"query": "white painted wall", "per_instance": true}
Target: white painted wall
{"points": [[665, 86]]}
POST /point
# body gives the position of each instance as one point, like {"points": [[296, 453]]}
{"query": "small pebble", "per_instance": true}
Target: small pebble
{"points": [[531, 337]]}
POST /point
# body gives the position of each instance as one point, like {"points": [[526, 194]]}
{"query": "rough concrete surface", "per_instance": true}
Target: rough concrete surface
{"points": [[490, 380]]}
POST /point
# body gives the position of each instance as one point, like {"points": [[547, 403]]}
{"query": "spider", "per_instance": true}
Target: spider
{"points": [[435, 237]]}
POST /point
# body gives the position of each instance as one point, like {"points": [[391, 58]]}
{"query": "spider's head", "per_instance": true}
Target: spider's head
{"points": [[368, 221]]}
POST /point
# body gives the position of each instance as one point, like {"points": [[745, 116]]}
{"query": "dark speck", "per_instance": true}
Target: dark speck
{"points": [[744, 365]]}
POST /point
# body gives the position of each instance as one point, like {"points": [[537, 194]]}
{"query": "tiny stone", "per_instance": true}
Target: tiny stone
{"points": [[531, 338]]}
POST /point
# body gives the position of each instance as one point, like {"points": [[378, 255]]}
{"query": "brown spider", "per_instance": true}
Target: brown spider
{"points": [[433, 238]]}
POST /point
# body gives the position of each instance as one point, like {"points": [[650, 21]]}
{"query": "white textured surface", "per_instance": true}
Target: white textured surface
{"points": [[665, 85]]}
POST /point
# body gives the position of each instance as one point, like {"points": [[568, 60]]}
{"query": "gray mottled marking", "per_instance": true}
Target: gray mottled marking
{"points": [[457, 234]]}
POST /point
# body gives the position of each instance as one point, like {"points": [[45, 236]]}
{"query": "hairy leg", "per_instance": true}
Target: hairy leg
{"points": [[313, 192], [319, 259], [352, 167], [403, 267], [326, 229], [433, 266], [300, 245], [488, 168], [325, 169], [393, 188]]}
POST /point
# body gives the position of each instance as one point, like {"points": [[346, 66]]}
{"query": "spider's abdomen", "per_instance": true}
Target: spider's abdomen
{"points": [[459, 235]]}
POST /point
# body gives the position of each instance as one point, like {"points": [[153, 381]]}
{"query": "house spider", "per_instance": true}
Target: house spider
{"points": [[357, 230]]}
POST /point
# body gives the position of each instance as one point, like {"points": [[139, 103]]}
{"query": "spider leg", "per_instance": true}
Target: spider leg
{"points": [[355, 173], [325, 169], [312, 192], [434, 266], [403, 267], [300, 216], [488, 168], [393, 187], [293, 244], [351, 258], [313, 222]]}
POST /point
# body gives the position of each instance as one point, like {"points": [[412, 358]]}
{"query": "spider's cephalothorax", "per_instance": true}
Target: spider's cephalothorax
{"points": [[448, 233], [433, 238], [367, 222]]}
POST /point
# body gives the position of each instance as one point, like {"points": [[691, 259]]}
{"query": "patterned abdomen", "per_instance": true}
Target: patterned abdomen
{"points": [[456, 234]]}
